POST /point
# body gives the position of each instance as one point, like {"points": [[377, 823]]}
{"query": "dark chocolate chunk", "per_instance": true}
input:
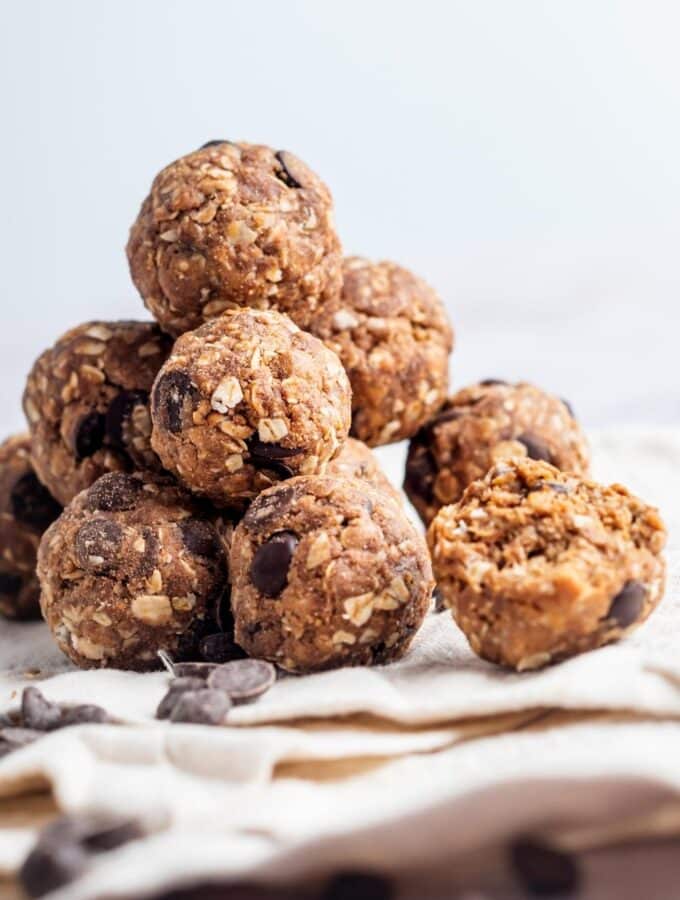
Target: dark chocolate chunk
{"points": [[102, 835], [215, 143], [628, 604], [268, 507], [10, 583], [536, 448], [51, 865], [204, 707], [284, 174], [569, 407], [269, 568], [243, 679], [420, 473], [174, 396], [271, 455], [542, 870], [220, 648], [84, 714], [88, 435], [37, 712], [177, 687], [97, 543], [200, 538], [114, 492], [119, 415], [194, 669], [358, 886], [438, 598], [32, 504], [551, 485], [14, 737], [488, 382]]}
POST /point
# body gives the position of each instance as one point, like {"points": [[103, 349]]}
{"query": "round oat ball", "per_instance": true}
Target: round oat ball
{"points": [[230, 225], [26, 509], [86, 401], [132, 566], [247, 400], [485, 423], [327, 572], [355, 460], [390, 330], [538, 565]]}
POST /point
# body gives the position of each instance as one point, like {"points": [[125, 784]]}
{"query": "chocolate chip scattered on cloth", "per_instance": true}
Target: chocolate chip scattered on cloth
{"points": [[367, 769]]}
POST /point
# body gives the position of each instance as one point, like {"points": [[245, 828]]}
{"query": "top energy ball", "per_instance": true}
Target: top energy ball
{"points": [[234, 225]]}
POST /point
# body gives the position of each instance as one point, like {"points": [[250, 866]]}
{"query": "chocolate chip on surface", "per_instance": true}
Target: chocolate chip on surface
{"points": [[569, 407], [173, 400], [88, 435], [489, 382], [358, 886], [214, 143], [177, 687], [85, 714], [204, 707], [243, 679], [102, 835], [220, 648], [114, 492], [544, 871], [119, 415], [32, 504], [50, 866], [15, 737], [200, 537], [268, 507], [97, 543], [535, 447], [194, 669], [284, 174], [37, 712], [269, 568], [628, 604]]}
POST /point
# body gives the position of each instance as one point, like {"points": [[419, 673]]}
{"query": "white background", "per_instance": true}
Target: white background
{"points": [[523, 156]]}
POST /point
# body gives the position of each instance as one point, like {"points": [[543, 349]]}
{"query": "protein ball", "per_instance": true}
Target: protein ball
{"points": [[86, 401], [481, 425], [133, 565], [355, 460], [327, 572], [247, 400], [538, 565], [390, 330], [26, 509], [230, 225]]}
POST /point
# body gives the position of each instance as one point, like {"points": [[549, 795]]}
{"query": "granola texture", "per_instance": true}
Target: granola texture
{"points": [[133, 565], [481, 425], [26, 509], [390, 330], [86, 401], [538, 565], [247, 400], [355, 460], [234, 224], [327, 572]]}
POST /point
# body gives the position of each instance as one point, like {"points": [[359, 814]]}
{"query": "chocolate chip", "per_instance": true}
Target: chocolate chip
{"points": [[220, 648], [97, 543], [178, 686], [51, 865], [489, 382], [284, 174], [37, 712], [119, 415], [204, 707], [358, 886], [113, 492], [438, 598], [542, 870], [84, 714], [200, 538], [174, 395], [243, 679], [569, 407], [551, 485], [32, 504], [194, 669], [213, 144], [421, 470], [104, 835], [271, 455], [15, 737], [628, 604], [10, 583], [88, 435], [535, 447], [269, 568], [268, 506]]}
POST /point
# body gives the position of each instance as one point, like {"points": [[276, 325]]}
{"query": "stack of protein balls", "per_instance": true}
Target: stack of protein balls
{"points": [[213, 502]]}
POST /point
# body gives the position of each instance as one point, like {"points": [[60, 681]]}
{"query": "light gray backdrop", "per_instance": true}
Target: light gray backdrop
{"points": [[524, 157]]}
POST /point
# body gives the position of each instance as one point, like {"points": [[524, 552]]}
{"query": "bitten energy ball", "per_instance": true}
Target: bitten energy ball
{"points": [[131, 566], [485, 423], [86, 401], [355, 460], [234, 225], [327, 572], [538, 565], [390, 330], [247, 400], [26, 509]]}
